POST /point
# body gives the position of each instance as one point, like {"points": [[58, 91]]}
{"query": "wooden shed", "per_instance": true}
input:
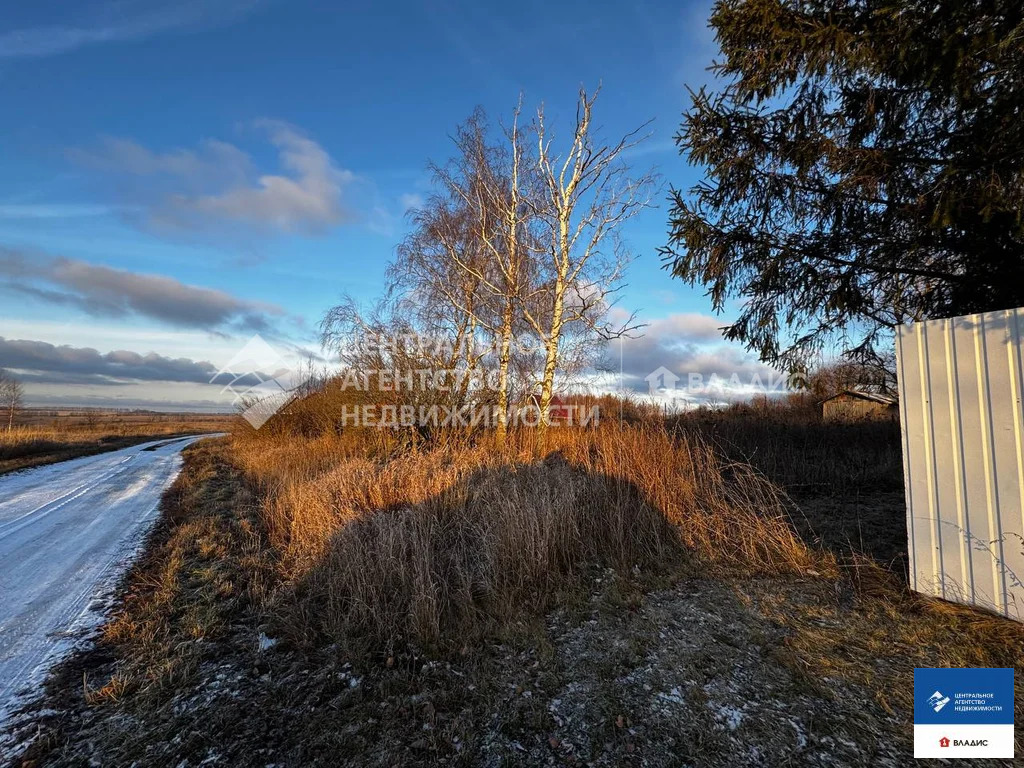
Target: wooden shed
{"points": [[858, 405]]}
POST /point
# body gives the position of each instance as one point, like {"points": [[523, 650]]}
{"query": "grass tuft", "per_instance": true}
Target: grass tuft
{"points": [[437, 545]]}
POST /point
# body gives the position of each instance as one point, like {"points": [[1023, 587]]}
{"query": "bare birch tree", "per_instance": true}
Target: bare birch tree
{"points": [[428, 285], [11, 396], [493, 184], [516, 238], [429, 318], [585, 196]]}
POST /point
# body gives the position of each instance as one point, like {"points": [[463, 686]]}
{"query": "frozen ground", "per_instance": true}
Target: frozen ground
{"points": [[67, 532]]}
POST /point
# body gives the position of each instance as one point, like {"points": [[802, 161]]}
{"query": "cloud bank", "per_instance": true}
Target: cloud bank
{"points": [[41, 362], [106, 292], [689, 345]]}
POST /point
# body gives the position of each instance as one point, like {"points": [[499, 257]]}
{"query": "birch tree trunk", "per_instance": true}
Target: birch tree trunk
{"points": [[504, 358], [552, 343], [585, 198]]}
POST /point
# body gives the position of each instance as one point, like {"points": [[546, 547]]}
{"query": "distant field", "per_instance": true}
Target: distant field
{"points": [[46, 436]]}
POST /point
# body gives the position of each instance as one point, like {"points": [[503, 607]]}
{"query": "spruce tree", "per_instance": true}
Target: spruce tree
{"points": [[863, 168]]}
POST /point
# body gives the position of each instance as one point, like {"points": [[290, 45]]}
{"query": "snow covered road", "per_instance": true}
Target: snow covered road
{"points": [[67, 532]]}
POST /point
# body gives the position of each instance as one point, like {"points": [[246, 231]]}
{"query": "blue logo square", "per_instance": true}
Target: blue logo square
{"points": [[981, 696]]}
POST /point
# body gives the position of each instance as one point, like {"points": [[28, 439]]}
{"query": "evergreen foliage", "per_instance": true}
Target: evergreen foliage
{"points": [[864, 167]]}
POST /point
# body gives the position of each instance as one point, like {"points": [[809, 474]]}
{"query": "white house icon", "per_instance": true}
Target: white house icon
{"points": [[660, 380]]}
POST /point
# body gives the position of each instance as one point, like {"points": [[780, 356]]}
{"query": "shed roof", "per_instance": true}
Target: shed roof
{"points": [[876, 397]]}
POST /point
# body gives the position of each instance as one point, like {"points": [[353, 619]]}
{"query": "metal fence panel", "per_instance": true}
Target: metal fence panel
{"points": [[960, 386]]}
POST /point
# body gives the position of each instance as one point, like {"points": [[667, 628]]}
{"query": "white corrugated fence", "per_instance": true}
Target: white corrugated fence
{"points": [[963, 458]]}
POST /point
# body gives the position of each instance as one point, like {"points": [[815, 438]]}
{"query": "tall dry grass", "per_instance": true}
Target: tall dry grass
{"points": [[430, 545], [64, 438], [791, 445]]}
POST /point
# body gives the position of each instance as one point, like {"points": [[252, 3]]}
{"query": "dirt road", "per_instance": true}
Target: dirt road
{"points": [[67, 532]]}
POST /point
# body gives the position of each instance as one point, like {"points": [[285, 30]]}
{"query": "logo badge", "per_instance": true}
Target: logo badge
{"points": [[963, 713]]}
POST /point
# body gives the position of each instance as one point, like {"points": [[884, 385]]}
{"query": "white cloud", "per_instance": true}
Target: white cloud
{"points": [[307, 201], [691, 346], [193, 343], [410, 201], [61, 363], [119, 21], [53, 210], [216, 188], [213, 162]]}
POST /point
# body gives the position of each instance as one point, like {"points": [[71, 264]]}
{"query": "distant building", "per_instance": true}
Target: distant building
{"points": [[558, 409], [858, 405]]}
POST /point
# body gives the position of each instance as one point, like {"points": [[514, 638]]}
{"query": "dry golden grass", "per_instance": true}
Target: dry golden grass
{"points": [[390, 545], [876, 633], [62, 438], [795, 449], [206, 564], [439, 544]]}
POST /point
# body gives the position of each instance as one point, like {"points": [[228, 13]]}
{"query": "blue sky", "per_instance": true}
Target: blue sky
{"points": [[178, 175]]}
